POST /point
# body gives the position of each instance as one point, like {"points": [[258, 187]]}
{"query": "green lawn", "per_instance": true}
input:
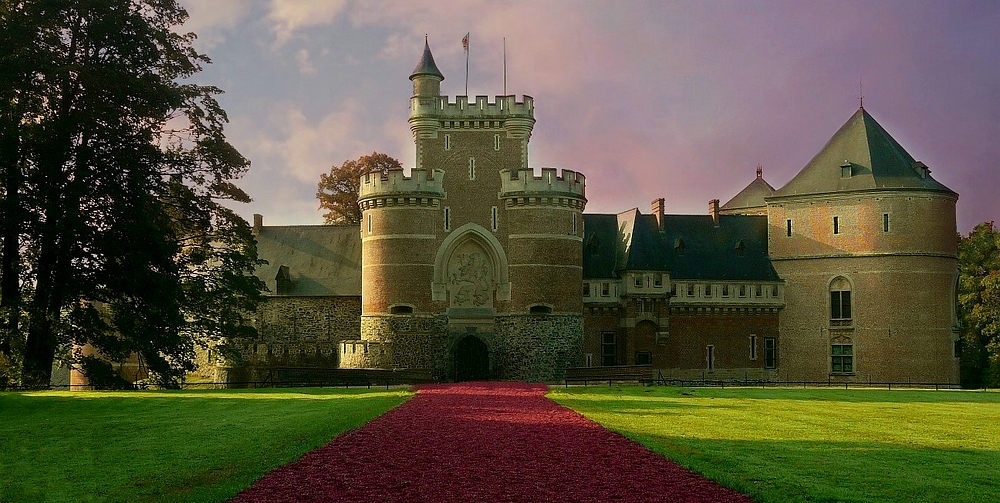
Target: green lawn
{"points": [[166, 446], [820, 445]]}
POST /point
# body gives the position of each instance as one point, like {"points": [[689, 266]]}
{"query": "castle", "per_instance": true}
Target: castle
{"points": [[475, 267]]}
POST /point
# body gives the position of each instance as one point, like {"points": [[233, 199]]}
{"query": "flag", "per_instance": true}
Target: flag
{"points": [[465, 42]]}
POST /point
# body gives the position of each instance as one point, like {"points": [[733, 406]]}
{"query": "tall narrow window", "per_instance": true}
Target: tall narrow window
{"points": [[788, 227], [770, 352], [493, 216], [885, 222], [710, 357], [447, 142], [586, 289], [753, 347], [496, 142], [725, 290], [608, 348], [840, 302], [638, 281], [842, 358], [447, 218], [708, 290], [605, 289], [472, 168], [574, 222], [836, 225], [369, 223]]}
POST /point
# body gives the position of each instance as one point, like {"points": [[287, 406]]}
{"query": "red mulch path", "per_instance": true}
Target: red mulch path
{"points": [[476, 442]]}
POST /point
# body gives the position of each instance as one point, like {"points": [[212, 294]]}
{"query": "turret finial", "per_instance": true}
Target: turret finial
{"points": [[760, 170]]}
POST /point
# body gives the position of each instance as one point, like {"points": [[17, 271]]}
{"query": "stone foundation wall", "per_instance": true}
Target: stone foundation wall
{"points": [[537, 348], [399, 341], [293, 332]]}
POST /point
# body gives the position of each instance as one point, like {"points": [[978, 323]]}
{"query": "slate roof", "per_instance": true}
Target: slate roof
{"points": [[878, 162], [752, 196], [322, 260], [426, 64], [629, 240]]}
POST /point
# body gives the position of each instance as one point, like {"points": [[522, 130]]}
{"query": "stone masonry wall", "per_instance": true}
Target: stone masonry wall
{"points": [[399, 341], [537, 348], [296, 332]]}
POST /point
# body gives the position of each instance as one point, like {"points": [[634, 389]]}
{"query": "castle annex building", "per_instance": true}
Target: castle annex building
{"points": [[476, 268]]}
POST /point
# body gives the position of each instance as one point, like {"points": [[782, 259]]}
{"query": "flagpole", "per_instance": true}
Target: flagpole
{"points": [[505, 66], [467, 44]]}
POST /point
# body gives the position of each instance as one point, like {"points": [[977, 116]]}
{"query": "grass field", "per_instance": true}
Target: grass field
{"points": [[821, 445], [169, 446]]}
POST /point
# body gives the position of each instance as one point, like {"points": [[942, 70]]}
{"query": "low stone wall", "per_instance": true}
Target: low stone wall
{"points": [[537, 347], [399, 341], [293, 332]]}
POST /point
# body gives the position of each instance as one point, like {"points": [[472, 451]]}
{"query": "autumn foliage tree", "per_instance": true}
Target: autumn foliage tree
{"points": [[338, 190], [979, 305], [112, 170]]}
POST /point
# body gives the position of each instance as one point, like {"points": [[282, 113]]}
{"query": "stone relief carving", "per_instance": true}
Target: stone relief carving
{"points": [[470, 277]]}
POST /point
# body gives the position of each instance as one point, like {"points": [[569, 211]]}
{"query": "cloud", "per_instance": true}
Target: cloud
{"points": [[305, 64], [211, 19], [288, 16]]}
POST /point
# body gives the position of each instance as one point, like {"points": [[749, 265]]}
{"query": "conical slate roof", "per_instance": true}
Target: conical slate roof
{"points": [[876, 161], [426, 65], [752, 196]]}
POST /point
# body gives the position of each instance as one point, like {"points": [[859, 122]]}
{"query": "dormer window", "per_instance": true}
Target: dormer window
{"points": [[846, 170], [283, 281], [679, 246], [740, 248], [921, 169]]}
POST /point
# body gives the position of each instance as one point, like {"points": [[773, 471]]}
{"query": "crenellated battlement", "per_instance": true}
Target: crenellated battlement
{"points": [[523, 182], [419, 183], [502, 107]]}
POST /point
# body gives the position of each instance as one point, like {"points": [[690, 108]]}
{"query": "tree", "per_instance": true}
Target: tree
{"points": [[979, 305], [113, 170], [338, 190]]}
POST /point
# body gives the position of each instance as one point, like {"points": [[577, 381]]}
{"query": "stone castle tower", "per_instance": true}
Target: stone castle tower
{"points": [[471, 266], [864, 238]]}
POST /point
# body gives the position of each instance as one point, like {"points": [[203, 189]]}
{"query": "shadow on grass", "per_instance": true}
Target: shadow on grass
{"points": [[856, 395], [783, 471]]}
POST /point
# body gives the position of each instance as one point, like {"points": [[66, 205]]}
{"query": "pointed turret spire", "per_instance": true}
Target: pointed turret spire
{"points": [[426, 65]]}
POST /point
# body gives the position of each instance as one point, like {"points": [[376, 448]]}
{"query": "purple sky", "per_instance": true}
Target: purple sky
{"points": [[648, 99]]}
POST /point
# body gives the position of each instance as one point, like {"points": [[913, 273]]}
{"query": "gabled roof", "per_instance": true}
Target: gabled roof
{"points": [[877, 161], [690, 247], [320, 259], [752, 196], [426, 65]]}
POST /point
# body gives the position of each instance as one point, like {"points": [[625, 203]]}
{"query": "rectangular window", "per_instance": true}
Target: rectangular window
{"points": [[590, 359], [369, 223], [643, 358], [586, 289], [885, 222], [788, 227], [840, 305], [842, 358], [770, 352], [447, 142], [493, 216], [708, 290], [496, 142], [753, 347], [574, 222], [447, 218], [725, 290], [690, 290], [836, 225], [607, 348], [638, 281], [673, 289], [757, 291], [657, 280], [710, 357], [743, 290], [605, 289], [472, 168], [774, 291]]}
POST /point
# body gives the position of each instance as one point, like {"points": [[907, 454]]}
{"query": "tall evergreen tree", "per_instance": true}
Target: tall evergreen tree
{"points": [[979, 305], [117, 179]]}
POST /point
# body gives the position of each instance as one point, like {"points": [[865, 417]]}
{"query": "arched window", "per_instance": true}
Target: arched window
{"points": [[840, 301], [401, 309], [540, 309]]}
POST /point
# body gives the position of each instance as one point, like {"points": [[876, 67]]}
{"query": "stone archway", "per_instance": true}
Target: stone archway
{"points": [[472, 359]]}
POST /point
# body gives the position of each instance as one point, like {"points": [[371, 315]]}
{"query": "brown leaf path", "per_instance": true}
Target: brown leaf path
{"points": [[472, 442]]}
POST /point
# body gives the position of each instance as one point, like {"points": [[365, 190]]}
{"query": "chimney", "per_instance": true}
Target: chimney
{"points": [[656, 208], [713, 209], [258, 222]]}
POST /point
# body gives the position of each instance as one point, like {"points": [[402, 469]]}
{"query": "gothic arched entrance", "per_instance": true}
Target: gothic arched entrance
{"points": [[472, 359]]}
